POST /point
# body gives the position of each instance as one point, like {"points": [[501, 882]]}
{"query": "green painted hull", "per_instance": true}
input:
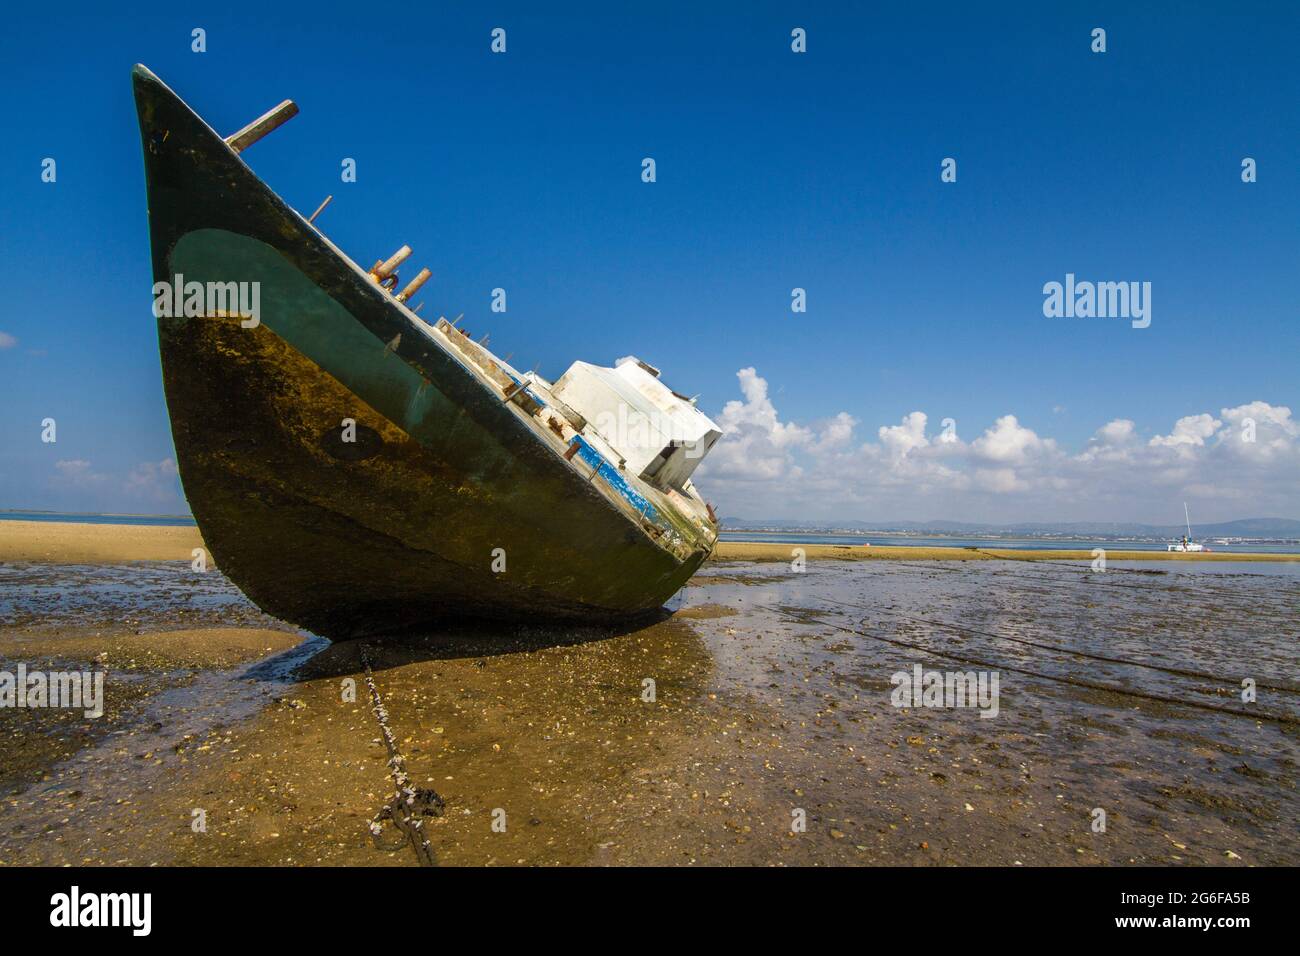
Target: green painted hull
{"points": [[400, 528]]}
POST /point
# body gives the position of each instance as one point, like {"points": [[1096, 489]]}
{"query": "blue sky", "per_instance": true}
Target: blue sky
{"points": [[775, 170]]}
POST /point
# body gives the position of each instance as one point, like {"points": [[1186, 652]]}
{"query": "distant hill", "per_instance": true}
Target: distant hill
{"points": [[1241, 528]]}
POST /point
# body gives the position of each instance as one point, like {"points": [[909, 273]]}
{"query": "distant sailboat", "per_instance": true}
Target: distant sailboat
{"points": [[1187, 544]]}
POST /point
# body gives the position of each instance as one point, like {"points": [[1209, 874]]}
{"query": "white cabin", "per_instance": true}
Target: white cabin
{"points": [[660, 435]]}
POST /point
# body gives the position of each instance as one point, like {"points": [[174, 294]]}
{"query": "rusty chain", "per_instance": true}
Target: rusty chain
{"points": [[410, 805]]}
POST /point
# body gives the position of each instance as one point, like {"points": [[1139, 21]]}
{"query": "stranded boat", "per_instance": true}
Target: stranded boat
{"points": [[359, 471]]}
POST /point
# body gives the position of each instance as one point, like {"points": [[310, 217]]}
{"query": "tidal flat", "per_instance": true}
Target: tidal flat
{"points": [[754, 723]]}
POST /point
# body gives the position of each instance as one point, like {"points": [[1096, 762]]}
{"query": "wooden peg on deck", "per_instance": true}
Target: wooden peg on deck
{"points": [[414, 285], [321, 208], [386, 268], [266, 123]]}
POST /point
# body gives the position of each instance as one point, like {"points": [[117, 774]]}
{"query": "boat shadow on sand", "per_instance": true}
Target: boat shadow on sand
{"points": [[318, 658]]}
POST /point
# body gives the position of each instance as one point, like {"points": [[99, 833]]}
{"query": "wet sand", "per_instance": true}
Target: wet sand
{"points": [[772, 695]]}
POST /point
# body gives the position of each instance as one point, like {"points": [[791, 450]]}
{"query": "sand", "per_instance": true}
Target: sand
{"points": [[52, 542], [58, 542]]}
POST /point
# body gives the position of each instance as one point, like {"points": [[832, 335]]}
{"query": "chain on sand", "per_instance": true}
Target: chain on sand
{"points": [[410, 805]]}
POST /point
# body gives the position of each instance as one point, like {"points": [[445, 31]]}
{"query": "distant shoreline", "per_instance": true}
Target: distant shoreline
{"points": [[784, 551], [79, 542], [1027, 543]]}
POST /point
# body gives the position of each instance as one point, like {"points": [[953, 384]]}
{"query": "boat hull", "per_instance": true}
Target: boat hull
{"points": [[443, 504]]}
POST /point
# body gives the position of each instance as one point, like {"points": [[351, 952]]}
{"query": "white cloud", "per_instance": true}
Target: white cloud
{"points": [[1008, 441], [7, 341], [149, 482], [1264, 415], [901, 439], [1121, 431], [837, 432], [758, 412], [152, 481], [1113, 442], [1244, 463], [1190, 430], [761, 445], [999, 480], [77, 472]]}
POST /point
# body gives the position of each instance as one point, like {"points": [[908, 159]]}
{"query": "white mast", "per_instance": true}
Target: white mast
{"points": [[1188, 518]]}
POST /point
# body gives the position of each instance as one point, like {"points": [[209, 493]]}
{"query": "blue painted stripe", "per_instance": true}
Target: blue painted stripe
{"points": [[614, 478], [600, 464]]}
